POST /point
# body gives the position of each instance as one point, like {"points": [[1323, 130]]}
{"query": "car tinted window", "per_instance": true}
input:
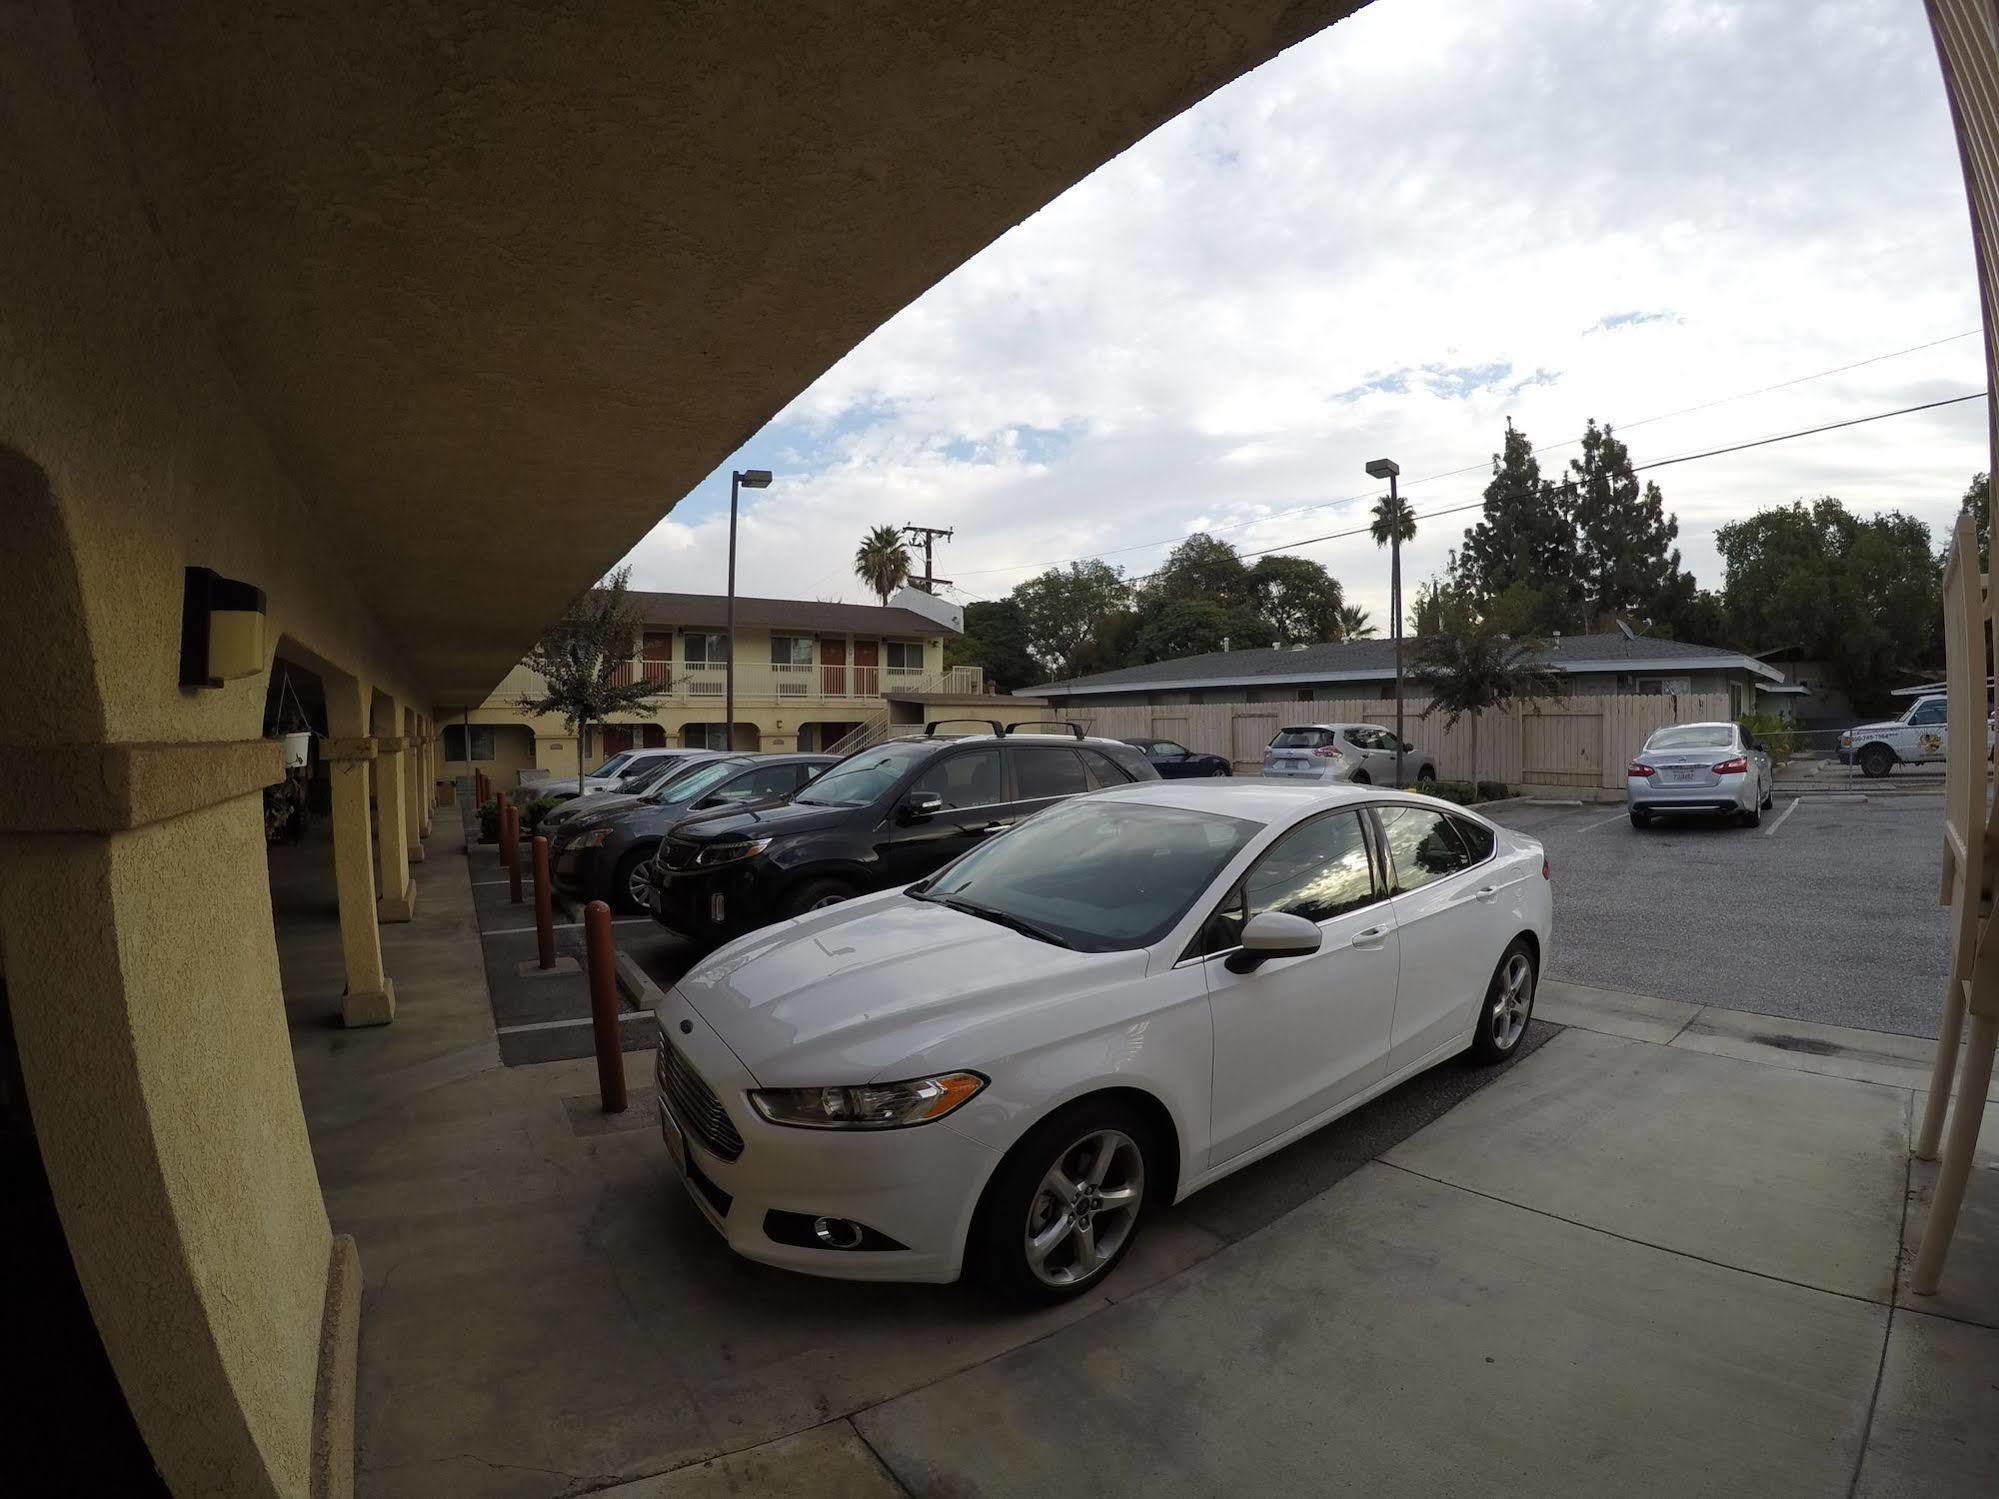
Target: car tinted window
{"points": [[970, 778], [1693, 736], [1168, 747], [1423, 846], [1099, 874], [691, 788], [1318, 871], [1930, 713], [1476, 837], [865, 775], [1102, 770], [1301, 739], [754, 785], [1042, 773]]}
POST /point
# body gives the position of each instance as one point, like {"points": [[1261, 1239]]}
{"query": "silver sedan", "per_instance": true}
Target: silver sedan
{"points": [[1699, 767]]}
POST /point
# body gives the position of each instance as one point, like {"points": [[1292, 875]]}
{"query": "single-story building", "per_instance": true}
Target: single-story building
{"points": [[1587, 664]]}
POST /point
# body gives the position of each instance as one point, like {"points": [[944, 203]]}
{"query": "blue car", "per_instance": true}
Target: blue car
{"points": [[1175, 761]]}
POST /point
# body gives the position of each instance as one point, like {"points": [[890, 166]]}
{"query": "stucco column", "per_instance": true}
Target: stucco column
{"points": [[398, 899], [142, 978], [370, 997], [413, 798], [427, 776]]}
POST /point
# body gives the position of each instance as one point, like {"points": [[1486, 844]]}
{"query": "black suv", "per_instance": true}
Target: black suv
{"points": [[884, 816]]}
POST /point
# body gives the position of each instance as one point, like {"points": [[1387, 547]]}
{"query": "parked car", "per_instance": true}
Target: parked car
{"points": [[1127, 997], [613, 775], [1699, 767], [1174, 761], [605, 855], [1921, 736], [636, 787], [1363, 753], [886, 815]]}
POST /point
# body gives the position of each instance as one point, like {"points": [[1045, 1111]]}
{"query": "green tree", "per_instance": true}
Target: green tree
{"points": [[1194, 627], [1525, 540], [1201, 567], [1440, 604], [1300, 600], [995, 640], [1354, 623], [1862, 595], [882, 561], [1625, 555], [579, 659], [1978, 500], [1391, 521], [1470, 668], [1066, 611]]}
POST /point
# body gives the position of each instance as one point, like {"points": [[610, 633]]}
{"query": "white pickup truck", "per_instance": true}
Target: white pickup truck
{"points": [[1919, 737]]}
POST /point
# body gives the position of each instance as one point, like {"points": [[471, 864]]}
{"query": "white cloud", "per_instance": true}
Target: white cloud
{"points": [[1447, 201]]}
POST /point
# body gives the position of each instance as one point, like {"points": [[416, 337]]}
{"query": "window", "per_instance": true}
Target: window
{"points": [[757, 785], [705, 649], [902, 655], [1045, 773], [1423, 846], [1367, 739], [1167, 749], [1476, 837], [865, 775], [1693, 736], [1101, 769], [970, 778], [1318, 871], [1935, 710], [710, 736], [454, 742], [791, 650], [1303, 738]]}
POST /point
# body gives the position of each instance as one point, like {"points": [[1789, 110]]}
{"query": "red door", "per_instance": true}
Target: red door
{"points": [[867, 668], [832, 666], [617, 740]]}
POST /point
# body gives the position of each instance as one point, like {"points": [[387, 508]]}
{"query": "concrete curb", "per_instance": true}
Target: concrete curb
{"points": [[332, 1458]]}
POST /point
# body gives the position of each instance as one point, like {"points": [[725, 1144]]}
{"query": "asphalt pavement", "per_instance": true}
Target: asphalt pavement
{"points": [[1826, 912]]}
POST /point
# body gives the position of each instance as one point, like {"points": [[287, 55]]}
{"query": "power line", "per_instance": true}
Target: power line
{"points": [[1636, 468], [1482, 467]]}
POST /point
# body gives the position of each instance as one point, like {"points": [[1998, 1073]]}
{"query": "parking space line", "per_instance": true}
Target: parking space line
{"points": [[1603, 822], [1771, 831]]}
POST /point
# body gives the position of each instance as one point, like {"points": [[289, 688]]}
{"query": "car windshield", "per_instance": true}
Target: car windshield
{"points": [[863, 777], [1300, 739], [653, 774], [698, 782], [613, 765], [1093, 874], [1687, 736]]}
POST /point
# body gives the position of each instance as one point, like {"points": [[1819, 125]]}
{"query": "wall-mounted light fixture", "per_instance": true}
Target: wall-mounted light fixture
{"points": [[221, 629]]}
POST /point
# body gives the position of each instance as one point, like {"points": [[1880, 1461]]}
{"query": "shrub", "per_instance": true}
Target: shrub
{"points": [[532, 812], [1493, 791], [1464, 793], [1775, 731]]}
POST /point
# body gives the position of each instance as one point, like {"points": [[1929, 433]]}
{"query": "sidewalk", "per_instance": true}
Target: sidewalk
{"points": [[1658, 1255]]}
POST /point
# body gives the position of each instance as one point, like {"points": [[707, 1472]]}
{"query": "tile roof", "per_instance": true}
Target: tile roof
{"points": [[708, 610], [1368, 658]]}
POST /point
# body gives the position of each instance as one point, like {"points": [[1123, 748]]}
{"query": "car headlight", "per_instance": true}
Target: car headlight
{"points": [[595, 838], [728, 853], [869, 1106]]}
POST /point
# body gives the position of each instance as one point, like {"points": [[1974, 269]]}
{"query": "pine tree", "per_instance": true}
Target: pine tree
{"points": [[1526, 538], [1624, 536]]}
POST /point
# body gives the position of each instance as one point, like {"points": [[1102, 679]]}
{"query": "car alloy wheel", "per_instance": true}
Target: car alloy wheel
{"points": [[638, 884], [1085, 1208], [1512, 999]]}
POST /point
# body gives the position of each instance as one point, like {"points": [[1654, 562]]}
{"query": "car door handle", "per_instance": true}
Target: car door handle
{"points": [[995, 827], [1487, 892], [1371, 937]]}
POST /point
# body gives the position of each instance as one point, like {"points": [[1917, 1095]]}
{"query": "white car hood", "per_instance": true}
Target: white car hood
{"points": [[842, 994], [1886, 725]]}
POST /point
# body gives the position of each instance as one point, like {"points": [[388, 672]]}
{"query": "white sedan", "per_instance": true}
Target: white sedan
{"points": [[1123, 999]]}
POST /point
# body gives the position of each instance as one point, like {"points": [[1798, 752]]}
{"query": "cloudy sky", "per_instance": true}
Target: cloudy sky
{"points": [[1428, 218]]}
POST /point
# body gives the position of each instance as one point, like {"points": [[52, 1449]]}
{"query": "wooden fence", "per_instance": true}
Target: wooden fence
{"points": [[1584, 742]]}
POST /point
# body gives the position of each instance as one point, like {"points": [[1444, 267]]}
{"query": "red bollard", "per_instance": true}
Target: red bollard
{"points": [[544, 906], [604, 1005], [511, 822]]}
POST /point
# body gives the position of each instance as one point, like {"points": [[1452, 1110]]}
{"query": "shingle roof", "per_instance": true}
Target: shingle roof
{"points": [[1369, 658], [709, 610]]}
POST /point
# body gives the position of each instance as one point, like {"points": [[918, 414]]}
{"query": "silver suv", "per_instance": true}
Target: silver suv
{"points": [[1363, 753]]}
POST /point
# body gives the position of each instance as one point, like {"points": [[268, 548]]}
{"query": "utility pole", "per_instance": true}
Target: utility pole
{"points": [[927, 535]]}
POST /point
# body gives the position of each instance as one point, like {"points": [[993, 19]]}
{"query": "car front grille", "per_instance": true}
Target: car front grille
{"points": [[693, 1103]]}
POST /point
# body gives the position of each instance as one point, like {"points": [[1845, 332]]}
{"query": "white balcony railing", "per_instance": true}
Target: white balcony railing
{"points": [[761, 682]]}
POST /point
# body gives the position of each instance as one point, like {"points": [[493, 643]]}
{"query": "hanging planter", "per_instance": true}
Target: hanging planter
{"points": [[298, 749]]}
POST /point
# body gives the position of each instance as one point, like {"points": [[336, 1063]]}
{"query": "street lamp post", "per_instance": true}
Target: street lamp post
{"points": [[1389, 469], [739, 479]]}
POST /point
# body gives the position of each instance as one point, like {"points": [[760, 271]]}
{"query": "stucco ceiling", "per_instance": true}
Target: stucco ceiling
{"points": [[503, 281]]}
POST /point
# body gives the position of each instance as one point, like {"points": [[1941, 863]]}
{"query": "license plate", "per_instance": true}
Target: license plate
{"points": [[1291, 764], [1681, 772], [676, 1142]]}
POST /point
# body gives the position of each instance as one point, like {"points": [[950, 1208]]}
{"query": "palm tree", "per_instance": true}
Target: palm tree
{"points": [[1355, 623], [1392, 524], [1469, 668], [882, 561]]}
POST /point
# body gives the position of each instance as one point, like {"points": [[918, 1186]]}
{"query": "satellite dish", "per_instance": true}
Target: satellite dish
{"points": [[1625, 629]]}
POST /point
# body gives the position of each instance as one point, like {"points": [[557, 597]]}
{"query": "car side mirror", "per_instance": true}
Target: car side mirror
{"points": [[920, 806], [1273, 934]]}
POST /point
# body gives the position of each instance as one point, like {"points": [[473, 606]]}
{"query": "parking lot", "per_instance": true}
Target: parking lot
{"points": [[1826, 912]]}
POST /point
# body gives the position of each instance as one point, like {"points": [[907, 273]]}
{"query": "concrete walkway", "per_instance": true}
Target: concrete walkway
{"points": [[1658, 1255]]}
